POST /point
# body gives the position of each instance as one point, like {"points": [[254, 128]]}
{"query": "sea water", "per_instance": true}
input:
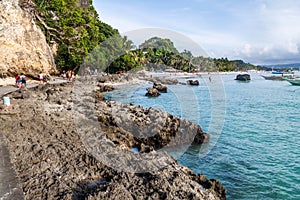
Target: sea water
{"points": [[257, 152]]}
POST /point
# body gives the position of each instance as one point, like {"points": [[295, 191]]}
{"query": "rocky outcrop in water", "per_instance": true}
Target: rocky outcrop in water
{"points": [[23, 44], [152, 92], [160, 87], [243, 77], [53, 162], [147, 129], [192, 82]]}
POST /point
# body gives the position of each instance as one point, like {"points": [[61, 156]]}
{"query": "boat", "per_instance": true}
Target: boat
{"points": [[277, 78], [294, 81], [276, 72]]}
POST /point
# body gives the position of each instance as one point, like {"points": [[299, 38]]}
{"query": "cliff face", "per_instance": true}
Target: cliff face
{"points": [[23, 44]]}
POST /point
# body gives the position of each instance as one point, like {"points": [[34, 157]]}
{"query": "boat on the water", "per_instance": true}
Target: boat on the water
{"points": [[294, 81], [282, 77], [277, 72], [276, 78]]}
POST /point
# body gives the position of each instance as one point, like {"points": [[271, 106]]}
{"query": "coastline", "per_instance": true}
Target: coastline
{"points": [[51, 156]]}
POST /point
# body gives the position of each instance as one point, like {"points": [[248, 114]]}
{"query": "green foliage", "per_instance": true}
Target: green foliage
{"points": [[159, 44], [113, 55], [75, 29], [83, 40]]}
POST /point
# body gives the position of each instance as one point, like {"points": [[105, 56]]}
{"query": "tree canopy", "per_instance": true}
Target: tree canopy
{"points": [[73, 25], [83, 39]]}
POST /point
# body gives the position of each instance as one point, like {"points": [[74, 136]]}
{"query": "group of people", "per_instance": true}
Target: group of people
{"points": [[21, 80], [70, 75]]}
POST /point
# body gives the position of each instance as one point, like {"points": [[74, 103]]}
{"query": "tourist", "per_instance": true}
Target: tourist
{"points": [[18, 81], [69, 75], [41, 77], [23, 80], [73, 75]]}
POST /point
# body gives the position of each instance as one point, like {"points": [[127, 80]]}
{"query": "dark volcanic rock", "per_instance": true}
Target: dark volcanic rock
{"points": [[152, 92], [192, 82], [243, 77], [160, 87]]}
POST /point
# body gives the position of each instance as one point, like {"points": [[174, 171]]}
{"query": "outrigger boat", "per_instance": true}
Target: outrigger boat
{"points": [[294, 81]]}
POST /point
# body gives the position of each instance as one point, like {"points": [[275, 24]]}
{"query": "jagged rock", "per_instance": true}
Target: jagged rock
{"points": [[192, 82], [52, 160], [243, 77], [105, 88], [160, 87], [23, 45], [152, 92]]}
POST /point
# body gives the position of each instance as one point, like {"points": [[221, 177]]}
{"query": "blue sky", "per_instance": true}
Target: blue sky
{"points": [[256, 31]]}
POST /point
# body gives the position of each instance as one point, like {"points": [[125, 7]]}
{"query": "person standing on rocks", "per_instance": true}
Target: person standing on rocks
{"points": [[41, 77], [18, 81], [23, 80], [69, 75], [73, 75]]}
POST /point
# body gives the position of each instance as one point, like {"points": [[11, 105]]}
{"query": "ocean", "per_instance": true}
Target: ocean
{"points": [[255, 129]]}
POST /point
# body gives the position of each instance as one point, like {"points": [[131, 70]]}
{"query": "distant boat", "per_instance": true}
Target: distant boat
{"points": [[277, 72], [280, 75], [276, 78], [295, 81]]}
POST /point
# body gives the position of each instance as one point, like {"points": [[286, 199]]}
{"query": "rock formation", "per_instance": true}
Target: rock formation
{"points": [[23, 44], [152, 92], [243, 77], [193, 82], [160, 87], [52, 161]]}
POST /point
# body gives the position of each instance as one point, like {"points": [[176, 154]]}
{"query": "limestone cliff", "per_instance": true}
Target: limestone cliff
{"points": [[23, 44]]}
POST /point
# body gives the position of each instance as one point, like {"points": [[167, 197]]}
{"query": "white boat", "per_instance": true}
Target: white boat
{"points": [[294, 81]]}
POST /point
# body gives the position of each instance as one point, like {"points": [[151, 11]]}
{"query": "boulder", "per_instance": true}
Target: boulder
{"points": [[160, 87], [243, 77], [152, 92], [193, 82], [105, 88]]}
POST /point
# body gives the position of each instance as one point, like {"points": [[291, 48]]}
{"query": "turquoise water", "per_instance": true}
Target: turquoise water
{"points": [[257, 154]]}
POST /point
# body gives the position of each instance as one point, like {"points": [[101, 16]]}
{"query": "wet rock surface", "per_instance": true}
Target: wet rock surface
{"points": [[152, 92], [243, 77], [160, 87], [192, 82], [53, 162]]}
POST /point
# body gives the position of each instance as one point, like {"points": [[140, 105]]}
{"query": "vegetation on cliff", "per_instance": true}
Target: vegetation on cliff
{"points": [[74, 26]]}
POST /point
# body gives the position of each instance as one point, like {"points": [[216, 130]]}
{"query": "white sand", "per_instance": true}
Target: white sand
{"points": [[7, 81], [11, 81]]}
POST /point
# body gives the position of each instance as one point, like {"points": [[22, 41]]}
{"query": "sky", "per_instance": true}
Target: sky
{"points": [[263, 32]]}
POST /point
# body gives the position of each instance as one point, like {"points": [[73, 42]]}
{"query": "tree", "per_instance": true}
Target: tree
{"points": [[77, 30]]}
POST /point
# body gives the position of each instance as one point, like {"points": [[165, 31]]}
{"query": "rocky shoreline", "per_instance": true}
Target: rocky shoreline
{"points": [[52, 160]]}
